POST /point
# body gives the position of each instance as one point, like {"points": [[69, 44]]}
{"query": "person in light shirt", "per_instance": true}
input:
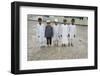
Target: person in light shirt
{"points": [[40, 32], [72, 32], [64, 33], [56, 32]]}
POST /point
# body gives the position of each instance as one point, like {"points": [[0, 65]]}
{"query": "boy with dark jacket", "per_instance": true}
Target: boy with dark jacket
{"points": [[49, 33]]}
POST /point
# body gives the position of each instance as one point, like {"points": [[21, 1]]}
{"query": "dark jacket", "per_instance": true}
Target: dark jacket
{"points": [[48, 31]]}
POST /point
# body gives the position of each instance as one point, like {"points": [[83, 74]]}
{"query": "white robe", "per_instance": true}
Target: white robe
{"points": [[56, 32], [40, 31], [72, 31], [64, 34], [68, 33]]}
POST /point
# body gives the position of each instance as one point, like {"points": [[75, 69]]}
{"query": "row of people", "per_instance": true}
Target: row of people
{"points": [[63, 34]]}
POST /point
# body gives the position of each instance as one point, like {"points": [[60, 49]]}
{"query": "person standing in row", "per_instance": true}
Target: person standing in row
{"points": [[40, 32], [68, 34], [56, 32], [64, 33], [72, 32], [49, 33]]}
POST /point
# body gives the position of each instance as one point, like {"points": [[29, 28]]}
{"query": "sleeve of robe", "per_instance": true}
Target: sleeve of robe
{"points": [[75, 30]]}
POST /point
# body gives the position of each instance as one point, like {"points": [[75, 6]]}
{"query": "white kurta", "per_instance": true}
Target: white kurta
{"points": [[64, 34], [40, 34], [68, 33], [72, 31], [68, 29], [56, 32]]}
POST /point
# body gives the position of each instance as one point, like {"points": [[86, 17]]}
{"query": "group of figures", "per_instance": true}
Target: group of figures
{"points": [[55, 34]]}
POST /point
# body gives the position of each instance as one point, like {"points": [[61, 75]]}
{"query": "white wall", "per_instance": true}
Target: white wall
{"points": [[5, 37]]}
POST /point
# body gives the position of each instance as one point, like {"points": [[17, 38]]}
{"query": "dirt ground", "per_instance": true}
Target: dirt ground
{"points": [[79, 51]]}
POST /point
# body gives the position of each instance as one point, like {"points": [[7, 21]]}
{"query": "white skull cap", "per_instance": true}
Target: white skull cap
{"points": [[56, 20], [48, 21]]}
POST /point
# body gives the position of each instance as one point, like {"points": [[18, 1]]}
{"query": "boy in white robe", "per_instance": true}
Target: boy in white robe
{"points": [[64, 33], [72, 32], [40, 32], [68, 34], [56, 32]]}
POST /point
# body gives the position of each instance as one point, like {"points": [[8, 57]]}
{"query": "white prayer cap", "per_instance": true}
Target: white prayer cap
{"points": [[56, 20], [48, 21]]}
